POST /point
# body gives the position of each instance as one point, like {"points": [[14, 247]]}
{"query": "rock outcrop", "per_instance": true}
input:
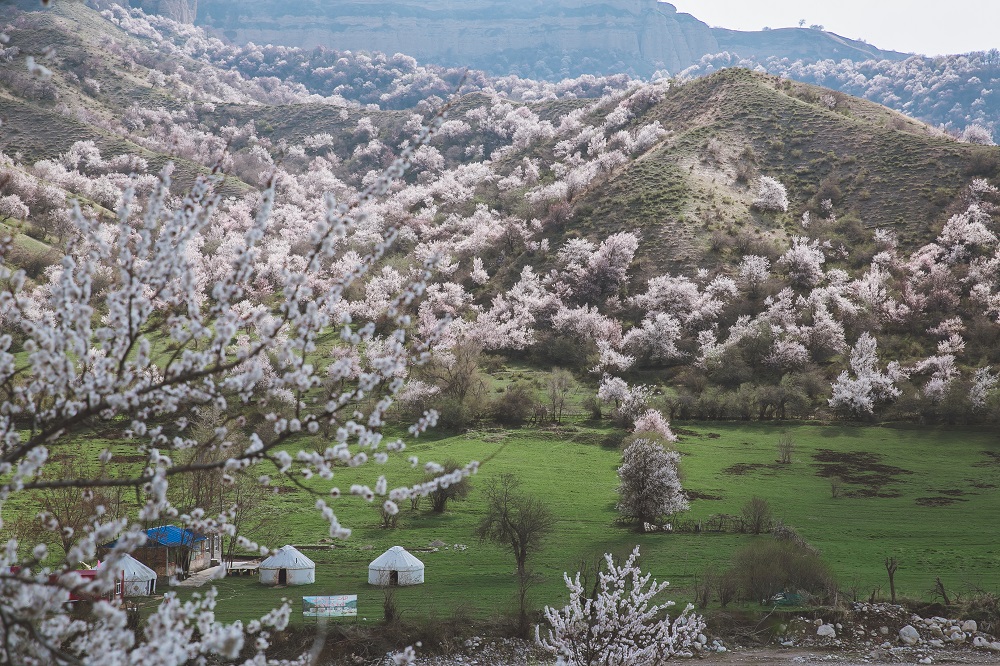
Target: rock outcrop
{"points": [[182, 11]]}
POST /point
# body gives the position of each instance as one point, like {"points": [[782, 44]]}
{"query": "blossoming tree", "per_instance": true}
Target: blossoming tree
{"points": [[144, 329], [619, 625]]}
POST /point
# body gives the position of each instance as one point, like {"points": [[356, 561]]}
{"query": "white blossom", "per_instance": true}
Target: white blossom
{"points": [[620, 624]]}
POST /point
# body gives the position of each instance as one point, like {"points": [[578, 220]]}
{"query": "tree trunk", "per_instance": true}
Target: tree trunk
{"points": [[890, 567]]}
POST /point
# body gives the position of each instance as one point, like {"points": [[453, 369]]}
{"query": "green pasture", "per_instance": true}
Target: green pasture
{"points": [[926, 496]]}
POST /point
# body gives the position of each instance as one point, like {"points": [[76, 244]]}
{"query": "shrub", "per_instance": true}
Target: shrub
{"points": [[31, 231], [565, 352], [756, 514], [592, 405], [766, 567], [727, 585], [516, 405], [786, 446], [453, 491], [32, 263], [455, 415]]}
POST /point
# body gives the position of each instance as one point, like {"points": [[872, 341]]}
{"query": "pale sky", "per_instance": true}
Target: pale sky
{"points": [[918, 26]]}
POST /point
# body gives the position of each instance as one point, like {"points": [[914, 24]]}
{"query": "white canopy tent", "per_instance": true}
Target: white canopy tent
{"points": [[287, 566], [138, 580], [396, 567]]}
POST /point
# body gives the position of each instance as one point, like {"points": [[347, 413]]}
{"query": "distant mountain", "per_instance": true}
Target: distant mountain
{"points": [[544, 39], [805, 44]]}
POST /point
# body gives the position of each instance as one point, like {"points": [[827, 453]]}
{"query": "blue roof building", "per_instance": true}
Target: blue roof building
{"points": [[171, 535], [176, 551]]}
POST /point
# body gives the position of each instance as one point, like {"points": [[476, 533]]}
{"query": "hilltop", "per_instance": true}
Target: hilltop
{"points": [[878, 167]]}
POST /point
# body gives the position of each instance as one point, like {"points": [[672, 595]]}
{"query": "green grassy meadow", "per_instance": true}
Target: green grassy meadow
{"points": [[926, 496]]}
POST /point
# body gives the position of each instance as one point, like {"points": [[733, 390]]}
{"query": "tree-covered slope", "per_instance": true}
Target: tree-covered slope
{"points": [[562, 215]]}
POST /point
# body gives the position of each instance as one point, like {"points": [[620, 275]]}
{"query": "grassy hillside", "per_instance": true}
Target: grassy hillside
{"points": [[879, 168]]}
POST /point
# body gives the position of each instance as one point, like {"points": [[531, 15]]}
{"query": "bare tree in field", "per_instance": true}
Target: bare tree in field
{"points": [[786, 446], [519, 522], [558, 385], [756, 514], [246, 503]]}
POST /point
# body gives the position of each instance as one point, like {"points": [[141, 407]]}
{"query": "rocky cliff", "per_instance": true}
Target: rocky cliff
{"points": [[536, 38], [184, 11], [550, 37]]}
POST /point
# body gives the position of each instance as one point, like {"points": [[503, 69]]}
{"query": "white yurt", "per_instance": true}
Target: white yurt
{"points": [[396, 567], [287, 566], [138, 579]]}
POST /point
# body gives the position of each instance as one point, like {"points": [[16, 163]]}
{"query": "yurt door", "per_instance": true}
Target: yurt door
{"points": [[282, 576], [393, 578]]}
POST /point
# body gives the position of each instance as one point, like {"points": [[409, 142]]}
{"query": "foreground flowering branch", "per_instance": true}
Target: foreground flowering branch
{"points": [[142, 330]]}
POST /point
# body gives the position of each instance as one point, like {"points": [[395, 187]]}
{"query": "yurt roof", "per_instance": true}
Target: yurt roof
{"points": [[396, 559], [288, 557], [133, 568]]}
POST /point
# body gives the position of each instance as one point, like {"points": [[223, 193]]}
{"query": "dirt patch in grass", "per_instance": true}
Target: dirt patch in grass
{"points": [[739, 469], [952, 492], [859, 468], [992, 459], [981, 485], [684, 432], [695, 495], [938, 501]]}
